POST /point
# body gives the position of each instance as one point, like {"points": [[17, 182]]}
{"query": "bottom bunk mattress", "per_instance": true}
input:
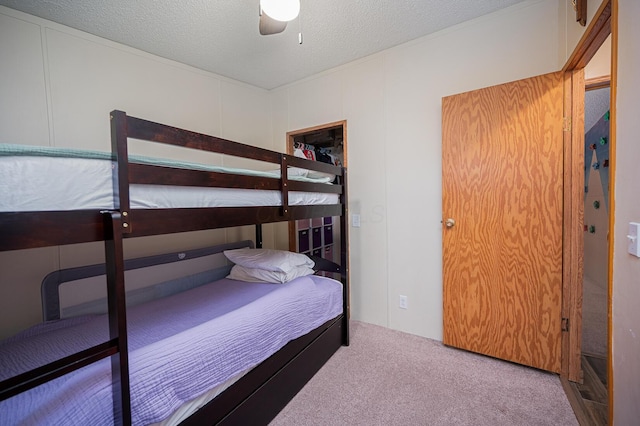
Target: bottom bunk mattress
{"points": [[180, 348]]}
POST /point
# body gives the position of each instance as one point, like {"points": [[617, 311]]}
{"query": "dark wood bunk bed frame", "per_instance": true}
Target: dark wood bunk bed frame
{"points": [[264, 391]]}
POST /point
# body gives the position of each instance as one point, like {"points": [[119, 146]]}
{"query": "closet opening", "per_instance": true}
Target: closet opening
{"points": [[318, 237]]}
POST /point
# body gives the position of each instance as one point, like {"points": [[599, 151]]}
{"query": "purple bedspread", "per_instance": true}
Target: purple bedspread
{"points": [[179, 347]]}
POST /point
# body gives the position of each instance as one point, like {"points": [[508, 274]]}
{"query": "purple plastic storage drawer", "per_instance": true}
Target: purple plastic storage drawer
{"points": [[328, 235], [303, 240], [317, 237]]}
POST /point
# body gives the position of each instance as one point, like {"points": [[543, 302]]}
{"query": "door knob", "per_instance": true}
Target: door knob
{"points": [[450, 223]]}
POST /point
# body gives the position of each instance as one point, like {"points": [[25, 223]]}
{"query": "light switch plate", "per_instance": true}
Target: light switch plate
{"points": [[634, 239], [355, 220]]}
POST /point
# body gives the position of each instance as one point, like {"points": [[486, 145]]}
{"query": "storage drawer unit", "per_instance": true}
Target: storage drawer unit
{"points": [[315, 237]]}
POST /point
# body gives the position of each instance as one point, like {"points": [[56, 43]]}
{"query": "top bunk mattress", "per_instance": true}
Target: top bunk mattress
{"points": [[48, 179]]}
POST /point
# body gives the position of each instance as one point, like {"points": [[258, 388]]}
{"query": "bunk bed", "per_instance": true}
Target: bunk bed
{"points": [[257, 396]]}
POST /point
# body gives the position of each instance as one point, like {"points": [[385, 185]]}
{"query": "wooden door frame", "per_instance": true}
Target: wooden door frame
{"points": [[289, 149], [602, 25]]}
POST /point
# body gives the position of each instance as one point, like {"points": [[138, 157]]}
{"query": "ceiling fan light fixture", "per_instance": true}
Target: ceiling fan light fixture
{"points": [[281, 10]]}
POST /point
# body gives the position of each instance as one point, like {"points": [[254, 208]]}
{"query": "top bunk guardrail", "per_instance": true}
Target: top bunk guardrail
{"points": [[32, 229]]}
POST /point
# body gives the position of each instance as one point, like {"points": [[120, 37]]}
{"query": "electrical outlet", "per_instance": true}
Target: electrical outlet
{"points": [[355, 220], [403, 302]]}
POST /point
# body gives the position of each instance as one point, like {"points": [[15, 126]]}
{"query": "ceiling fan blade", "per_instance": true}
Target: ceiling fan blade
{"points": [[270, 26]]}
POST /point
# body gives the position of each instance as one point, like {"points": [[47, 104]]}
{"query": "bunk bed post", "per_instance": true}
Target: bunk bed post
{"points": [[344, 259], [114, 257], [119, 149], [117, 223], [284, 176], [259, 235]]}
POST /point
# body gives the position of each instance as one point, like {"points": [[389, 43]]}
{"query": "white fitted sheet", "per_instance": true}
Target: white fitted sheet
{"points": [[48, 184]]}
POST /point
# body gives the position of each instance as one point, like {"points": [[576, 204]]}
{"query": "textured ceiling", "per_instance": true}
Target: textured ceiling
{"points": [[222, 36]]}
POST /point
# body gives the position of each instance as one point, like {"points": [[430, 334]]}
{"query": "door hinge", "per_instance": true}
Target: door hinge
{"points": [[565, 324], [566, 124]]}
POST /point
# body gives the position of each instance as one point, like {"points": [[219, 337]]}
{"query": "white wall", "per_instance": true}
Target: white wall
{"points": [[626, 268], [572, 31], [392, 104], [600, 64], [57, 87]]}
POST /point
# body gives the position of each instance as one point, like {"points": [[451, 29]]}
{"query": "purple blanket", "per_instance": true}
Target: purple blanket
{"points": [[179, 347]]}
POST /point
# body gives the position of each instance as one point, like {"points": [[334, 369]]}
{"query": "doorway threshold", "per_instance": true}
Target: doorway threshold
{"points": [[589, 399]]}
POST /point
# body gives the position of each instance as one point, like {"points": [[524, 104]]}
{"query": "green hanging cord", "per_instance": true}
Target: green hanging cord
{"points": [[607, 115], [592, 229], [596, 204], [603, 141]]}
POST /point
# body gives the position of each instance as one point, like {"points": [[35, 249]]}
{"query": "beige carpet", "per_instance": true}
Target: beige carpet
{"points": [[391, 378]]}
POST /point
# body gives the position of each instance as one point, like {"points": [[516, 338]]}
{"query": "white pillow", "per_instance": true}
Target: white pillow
{"points": [[314, 174], [241, 273], [268, 260], [296, 171]]}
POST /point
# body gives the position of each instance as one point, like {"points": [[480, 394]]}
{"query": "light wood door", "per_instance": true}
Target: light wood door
{"points": [[502, 159]]}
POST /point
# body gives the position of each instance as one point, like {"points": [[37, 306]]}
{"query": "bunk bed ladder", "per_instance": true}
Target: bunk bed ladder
{"points": [[116, 347]]}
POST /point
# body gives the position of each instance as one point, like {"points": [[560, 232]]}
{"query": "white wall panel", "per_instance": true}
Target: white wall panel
{"points": [[245, 114], [481, 53], [363, 105], [315, 101], [90, 77], [626, 268], [600, 64], [413, 184], [23, 120], [76, 79], [514, 43], [279, 108], [23, 110]]}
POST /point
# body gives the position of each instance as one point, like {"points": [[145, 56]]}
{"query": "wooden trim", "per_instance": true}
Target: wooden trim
{"points": [[597, 83], [612, 199], [566, 217], [575, 401], [593, 37], [573, 234], [573, 227], [605, 22], [577, 219], [581, 12]]}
